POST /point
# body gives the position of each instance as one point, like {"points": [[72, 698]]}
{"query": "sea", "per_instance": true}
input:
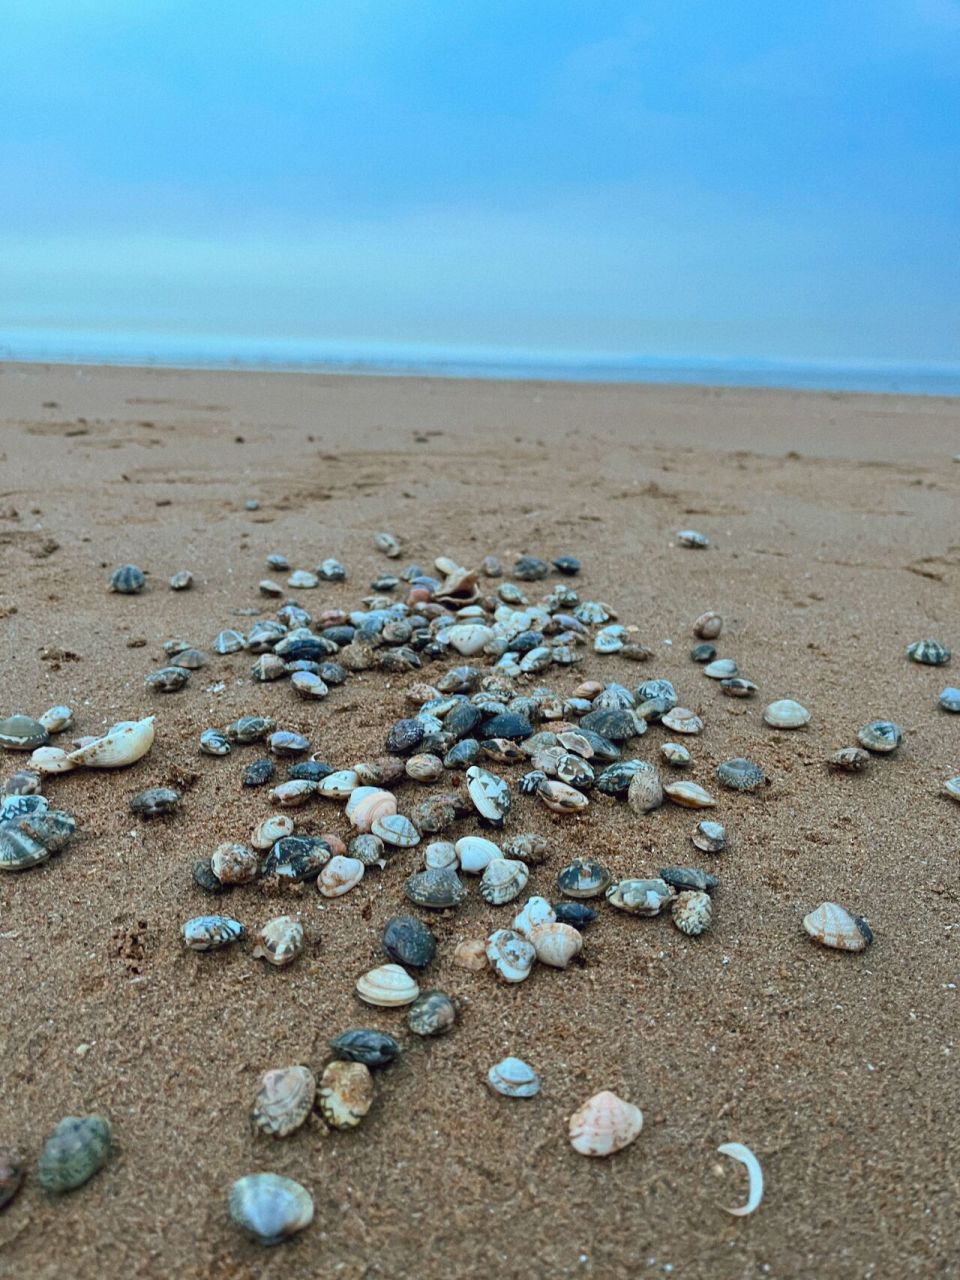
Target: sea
{"points": [[423, 360]]}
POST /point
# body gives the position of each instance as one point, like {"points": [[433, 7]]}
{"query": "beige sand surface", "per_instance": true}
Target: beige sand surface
{"points": [[836, 542]]}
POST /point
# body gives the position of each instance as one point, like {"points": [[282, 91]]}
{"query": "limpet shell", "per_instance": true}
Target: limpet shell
{"points": [[833, 926], [269, 1207], [949, 699], [388, 986], [786, 714], [690, 795], [692, 912], [432, 1014], [284, 1100], [167, 679], [737, 687], [294, 859], [346, 1093], [514, 1078], [279, 942], [339, 876], [604, 1124], [688, 878], [691, 538], [294, 793], [556, 944], [73, 1153]]}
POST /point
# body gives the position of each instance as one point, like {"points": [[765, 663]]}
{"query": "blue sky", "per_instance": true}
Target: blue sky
{"points": [[675, 177]]}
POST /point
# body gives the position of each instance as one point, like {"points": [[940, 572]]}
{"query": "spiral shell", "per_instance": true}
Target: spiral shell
{"points": [[284, 1100]]}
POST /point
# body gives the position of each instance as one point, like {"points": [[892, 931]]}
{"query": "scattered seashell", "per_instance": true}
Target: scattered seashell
{"points": [[22, 733], [720, 669], [214, 743], [688, 878], [431, 1014], [692, 911], [294, 859], [528, 847], [340, 784], [834, 927], [270, 1208], [949, 700], [737, 1151], [286, 743], [561, 798], [293, 794], [167, 679], [535, 912], [308, 685], [303, 580], [689, 794], [388, 544], [270, 830], [583, 878], [740, 774], [640, 897], [682, 720], [556, 944], [373, 1048], [690, 538], [645, 792], [929, 652], [11, 1174], [786, 714], [155, 801], [125, 743], [249, 729], [229, 641], [709, 836], [708, 626], [409, 942], [703, 652], [22, 783], [339, 876], [510, 955], [209, 933], [395, 829], [736, 687], [346, 1093], [51, 760], [190, 659], [57, 719], [503, 880], [387, 986], [880, 736], [471, 954], [128, 580], [952, 788], [475, 854], [284, 1100], [514, 1078], [604, 1124], [676, 754], [441, 853], [279, 942], [424, 767], [436, 888], [850, 759], [73, 1153], [489, 793]]}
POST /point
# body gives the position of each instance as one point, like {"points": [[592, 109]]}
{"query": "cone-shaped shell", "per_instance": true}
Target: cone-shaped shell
{"points": [[269, 1207], [367, 804], [556, 944], [645, 791], [285, 1100], [124, 744], [834, 927], [604, 1124], [388, 986]]}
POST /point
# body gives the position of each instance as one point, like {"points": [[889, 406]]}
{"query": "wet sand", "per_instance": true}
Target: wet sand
{"points": [[833, 522]]}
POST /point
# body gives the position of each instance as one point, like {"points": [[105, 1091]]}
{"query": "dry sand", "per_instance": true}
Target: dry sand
{"points": [[835, 542]]}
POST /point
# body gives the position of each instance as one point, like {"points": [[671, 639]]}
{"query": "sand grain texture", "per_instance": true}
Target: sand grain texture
{"points": [[835, 544]]}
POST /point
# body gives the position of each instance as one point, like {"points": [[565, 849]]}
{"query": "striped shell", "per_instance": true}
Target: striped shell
{"points": [[604, 1124], [284, 1100], [280, 941], [367, 804], [835, 927], [503, 880], [388, 986], [556, 944], [645, 791]]}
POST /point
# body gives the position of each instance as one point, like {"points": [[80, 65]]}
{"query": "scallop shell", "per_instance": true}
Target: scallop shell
{"points": [[786, 714], [689, 795], [503, 880], [126, 743], [270, 1208], [510, 955], [536, 911], [834, 927], [388, 986], [279, 942], [397, 830], [682, 720], [476, 854], [645, 791], [367, 804], [436, 888], [209, 933], [339, 876], [604, 1124], [346, 1093], [284, 1100], [76, 1149], [489, 793], [640, 897], [556, 944], [692, 912], [514, 1078]]}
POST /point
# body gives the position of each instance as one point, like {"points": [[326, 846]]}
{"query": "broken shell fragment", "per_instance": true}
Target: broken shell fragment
{"points": [[640, 897], [737, 1151], [604, 1124], [510, 955]]}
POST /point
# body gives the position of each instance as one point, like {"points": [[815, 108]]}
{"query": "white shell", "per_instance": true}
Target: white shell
{"points": [[737, 1151], [682, 720], [786, 714], [489, 793], [388, 986], [280, 941], [234, 863], [640, 897], [604, 1124], [293, 794], [270, 830], [308, 685], [690, 795], [125, 743], [367, 804], [476, 854], [833, 926], [514, 1078], [676, 754], [537, 911], [952, 788], [708, 626], [503, 880], [441, 853], [51, 760], [284, 1100], [556, 944], [510, 955], [270, 1207], [339, 785], [397, 830], [57, 719], [339, 876], [469, 638]]}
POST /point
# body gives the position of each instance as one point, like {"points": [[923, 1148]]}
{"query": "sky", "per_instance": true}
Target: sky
{"points": [[683, 178]]}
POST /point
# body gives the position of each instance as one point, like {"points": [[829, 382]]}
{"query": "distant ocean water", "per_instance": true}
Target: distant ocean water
{"points": [[473, 362]]}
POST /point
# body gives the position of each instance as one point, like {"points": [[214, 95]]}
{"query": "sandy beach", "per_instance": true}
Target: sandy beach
{"points": [[834, 544]]}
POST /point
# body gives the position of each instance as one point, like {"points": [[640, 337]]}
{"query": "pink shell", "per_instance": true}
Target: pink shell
{"points": [[604, 1124], [363, 810]]}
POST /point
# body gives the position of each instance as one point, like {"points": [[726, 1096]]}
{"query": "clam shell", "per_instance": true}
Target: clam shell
{"points": [[373, 1048], [514, 1078], [740, 774], [229, 641], [929, 652], [503, 880], [409, 942], [270, 830], [397, 830], [270, 1208], [388, 986], [209, 933], [786, 714], [536, 911], [126, 743], [432, 1014], [51, 760], [154, 802], [279, 942], [367, 804], [835, 927], [441, 853], [284, 1101], [604, 1124], [294, 859], [76, 1149], [689, 795], [510, 955], [561, 798], [682, 720], [471, 954], [952, 788], [57, 719], [489, 793], [436, 888], [583, 878], [369, 849], [476, 854], [708, 626], [293, 794], [339, 876], [645, 791], [676, 754], [339, 785], [720, 669], [528, 847], [424, 767], [640, 897], [949, 699], [850, 759], [346, 1093], [692, 912], [469, 638], [556, 944], [214, 743], [880, 736], [709, 836]]}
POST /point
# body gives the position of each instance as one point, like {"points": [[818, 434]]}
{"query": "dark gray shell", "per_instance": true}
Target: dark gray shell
{"points": [[203, 875], [18, 806], [577, 914], [27, 783], [688, 878], [258, 773], [616, 778], [530, 569], [703, 652], [436, 888], [462, 754], [432, 1014], [409, 942], [567, 565], [373, 1048], [250, 729], [332, 571], [73, 1153], [404, 737], [167, 679], [602, 747], [297, 858], [190, 659], [508, 725], [740, 774], [128, 580], [657, 690], [22, 733], [155, 801]]}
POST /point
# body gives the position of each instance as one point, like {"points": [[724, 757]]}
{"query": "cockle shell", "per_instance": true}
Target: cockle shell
{"points": [[834, 927], [476, 854], [284, 1100], [786, 714], [367, 804], [209, 933], [346, 1093], [510, 955], [561, 798], [689, 794], [503, 880], [692, 912], [489, 793], [279, 942], [556, 944], [604, 1124], [388, 986], [645, 791], [536, 911], [339, 876], [125, 743], [514, 1078], [76, 1149], [640, 897], [269, 1207]]}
